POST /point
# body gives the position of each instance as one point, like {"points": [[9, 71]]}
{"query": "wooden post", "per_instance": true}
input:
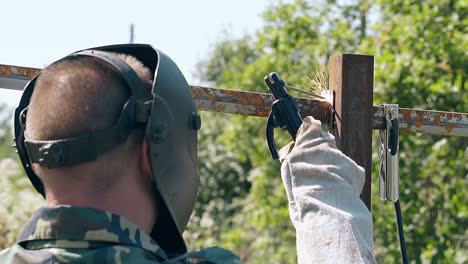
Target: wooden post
{"points": [[352, 80]]}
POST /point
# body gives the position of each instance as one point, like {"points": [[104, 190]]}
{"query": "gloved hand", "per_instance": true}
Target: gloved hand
{"points": [[323, 185]]}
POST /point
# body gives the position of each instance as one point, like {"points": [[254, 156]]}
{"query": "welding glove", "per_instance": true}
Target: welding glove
{"points": [[323, 185]]}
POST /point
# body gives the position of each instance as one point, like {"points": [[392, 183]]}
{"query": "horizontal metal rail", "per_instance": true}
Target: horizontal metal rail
{"points": [[427, 121], [259, 104], [252, 103]]}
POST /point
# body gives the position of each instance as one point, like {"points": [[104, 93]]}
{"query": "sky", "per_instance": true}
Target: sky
{"points": [[36, 33]]}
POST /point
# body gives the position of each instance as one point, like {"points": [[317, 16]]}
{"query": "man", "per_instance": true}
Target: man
{"points": [[108, 137]]}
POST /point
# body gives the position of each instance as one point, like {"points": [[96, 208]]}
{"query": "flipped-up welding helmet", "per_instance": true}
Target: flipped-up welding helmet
{"points": [[171, 120]]}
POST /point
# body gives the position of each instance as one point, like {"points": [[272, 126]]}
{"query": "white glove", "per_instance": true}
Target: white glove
{"points": [[323, 185]]}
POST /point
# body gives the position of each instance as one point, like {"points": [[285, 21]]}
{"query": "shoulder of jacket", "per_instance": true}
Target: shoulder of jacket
{"points": [[108, 254]]}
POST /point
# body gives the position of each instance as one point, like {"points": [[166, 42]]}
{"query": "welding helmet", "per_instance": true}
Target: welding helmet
{"points": [[169, 114]]}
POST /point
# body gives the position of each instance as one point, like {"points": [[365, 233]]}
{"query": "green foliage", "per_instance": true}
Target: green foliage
{"points": [[6, 136], [420, 62], [18, 199]]}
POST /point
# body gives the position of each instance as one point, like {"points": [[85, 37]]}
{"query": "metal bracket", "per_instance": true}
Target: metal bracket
{"points": [[389, 175]]}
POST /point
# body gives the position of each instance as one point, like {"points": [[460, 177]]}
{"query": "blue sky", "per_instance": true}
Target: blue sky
{"points": [[35, 33]]}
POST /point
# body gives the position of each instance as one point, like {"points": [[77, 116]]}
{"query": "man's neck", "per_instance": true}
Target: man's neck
{"points": [[124, 199]]}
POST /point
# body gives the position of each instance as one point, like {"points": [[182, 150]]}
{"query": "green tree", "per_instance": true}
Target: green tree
{"points": [[18, 199], [421, 63]]}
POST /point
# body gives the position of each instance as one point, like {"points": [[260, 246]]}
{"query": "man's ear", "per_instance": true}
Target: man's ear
{"points": [[145, 161]]}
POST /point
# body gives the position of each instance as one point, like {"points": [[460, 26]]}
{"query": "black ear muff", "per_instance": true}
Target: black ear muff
{"points": [[20, 128], [196, 121]]}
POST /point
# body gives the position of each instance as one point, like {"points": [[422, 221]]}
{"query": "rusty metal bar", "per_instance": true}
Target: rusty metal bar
{"points": [[18, 72], [427, 121], [253, 104], [15, 77], [258, 104]]}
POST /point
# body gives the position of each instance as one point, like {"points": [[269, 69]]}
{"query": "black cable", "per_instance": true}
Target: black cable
{"points": [[401, 236]]}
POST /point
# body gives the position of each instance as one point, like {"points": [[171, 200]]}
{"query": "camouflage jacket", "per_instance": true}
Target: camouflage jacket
{"points": [[66, 234]]}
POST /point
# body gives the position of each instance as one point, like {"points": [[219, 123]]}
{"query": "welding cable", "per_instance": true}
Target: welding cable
{"points": [[401, 236]]}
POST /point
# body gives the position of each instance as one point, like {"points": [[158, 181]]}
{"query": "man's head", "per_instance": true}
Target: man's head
{"points": [[79, 95], [155, 135]]}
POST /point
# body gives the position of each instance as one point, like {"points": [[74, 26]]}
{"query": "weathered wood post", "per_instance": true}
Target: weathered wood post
{"points": [[352, 80]]}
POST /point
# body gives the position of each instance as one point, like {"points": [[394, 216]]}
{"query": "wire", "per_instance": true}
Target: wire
{"points": [[401, 236], [305, 92]]}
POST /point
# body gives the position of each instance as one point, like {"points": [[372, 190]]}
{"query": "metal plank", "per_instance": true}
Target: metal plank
{"points": [[258, 104]]}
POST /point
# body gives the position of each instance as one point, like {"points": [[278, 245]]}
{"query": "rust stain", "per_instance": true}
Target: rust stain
{"points": [[449, 127], [407, 117], [264, 113], [21, 71], [6, 70], [230, 92], [195, 92], [221, 107], [200, 106], [242, 98], [257, 100], [437, 120], [449, 116], [211, 97], [421, 117], [31, 73]]}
